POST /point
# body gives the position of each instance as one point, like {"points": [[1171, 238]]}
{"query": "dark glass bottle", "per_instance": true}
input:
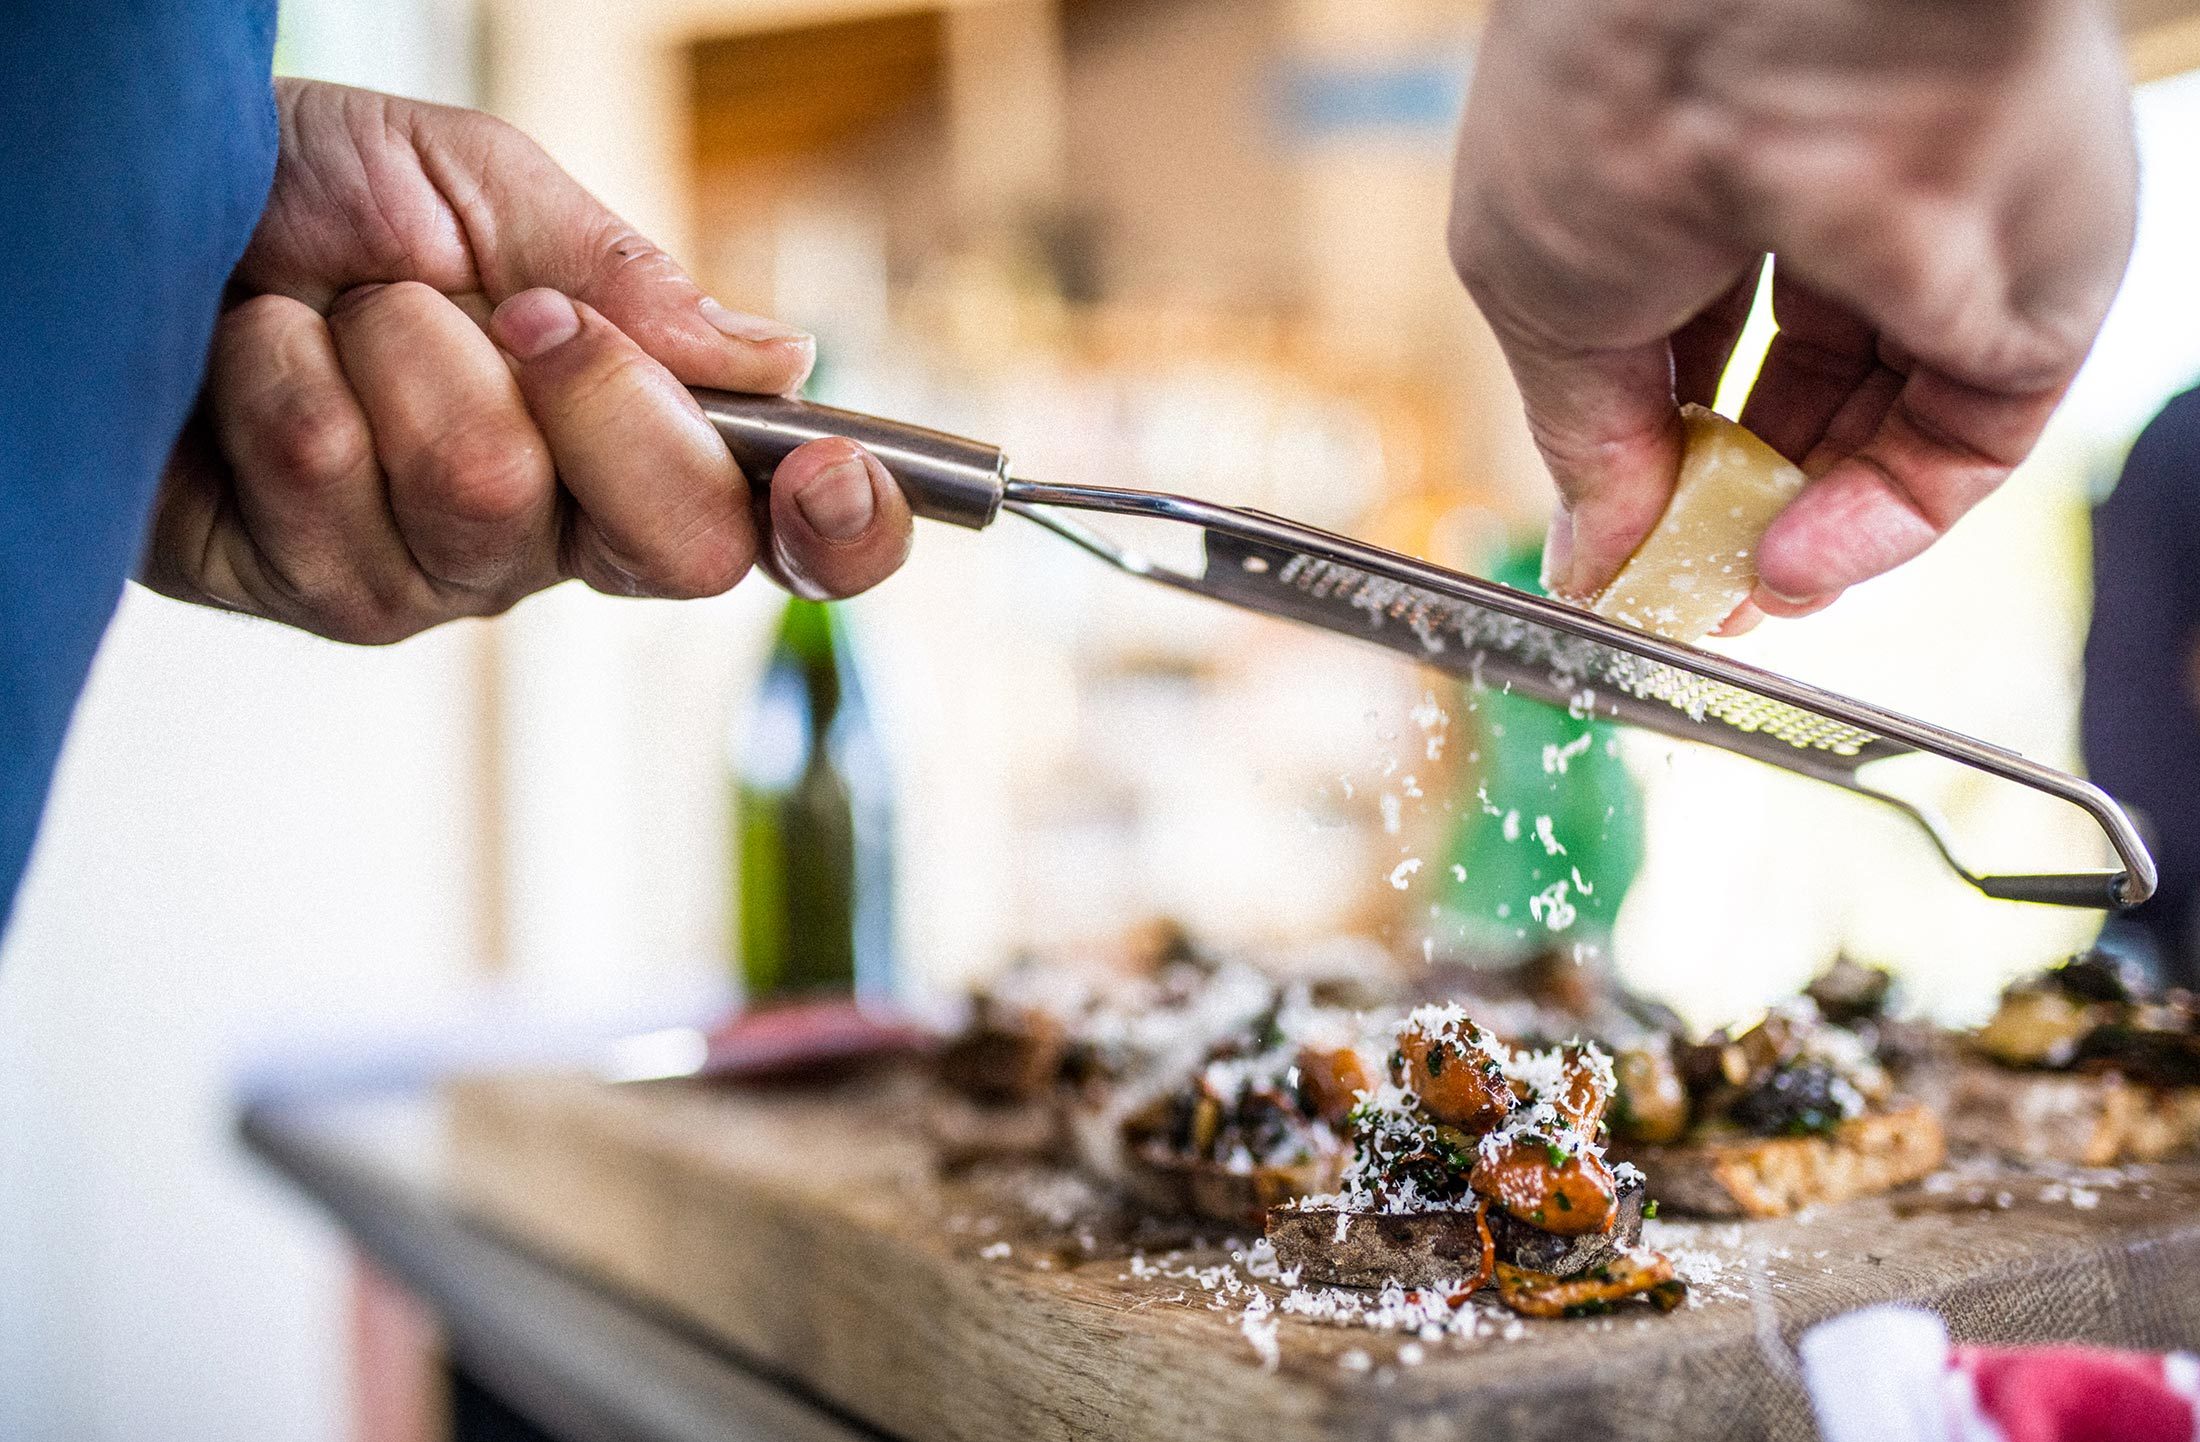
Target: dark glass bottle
{"points": [[812, 824]]}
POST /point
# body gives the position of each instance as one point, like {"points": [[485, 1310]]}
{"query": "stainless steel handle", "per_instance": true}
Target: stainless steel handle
{"points": [[946, 478], [2105, 890]]}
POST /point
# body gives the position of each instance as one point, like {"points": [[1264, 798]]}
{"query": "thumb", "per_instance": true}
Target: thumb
{"points": [[548, 230], [1609, 430]]}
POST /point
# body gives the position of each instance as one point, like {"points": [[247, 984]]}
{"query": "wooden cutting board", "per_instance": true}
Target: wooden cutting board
{"points": [[815, 1234]]}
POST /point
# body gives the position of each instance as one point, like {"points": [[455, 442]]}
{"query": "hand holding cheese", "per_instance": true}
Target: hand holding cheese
{"points": [[1947, 190], [1699, 563]]}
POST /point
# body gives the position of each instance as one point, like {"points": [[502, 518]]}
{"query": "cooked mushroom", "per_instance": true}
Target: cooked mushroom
{"points": [[1330, 1079], [1586, 1090], [1534, 1249], [2035, 1027], [1651, 1105], [1546, 1186], [2101, 976], [1849, 992], [1457, 1080], [1631, 1274]]}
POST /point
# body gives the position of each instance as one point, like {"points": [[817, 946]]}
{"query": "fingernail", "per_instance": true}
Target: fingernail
{"points": [[838, 502], [742, 326], [534, 322], [1558, 551]]}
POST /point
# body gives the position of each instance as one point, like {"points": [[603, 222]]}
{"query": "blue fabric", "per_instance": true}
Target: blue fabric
{"points": [[2142, 668], [137, 141]]}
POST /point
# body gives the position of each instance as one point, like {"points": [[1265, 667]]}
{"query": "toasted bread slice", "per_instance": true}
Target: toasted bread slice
{"points": [[1219, 1193], [965, 1132], [1747, 1176], [1331, 1244], [2089, 1120], [1372, 1249]]}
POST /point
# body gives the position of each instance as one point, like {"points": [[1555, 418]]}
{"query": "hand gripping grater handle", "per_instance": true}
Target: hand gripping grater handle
{"points": [[1483, 632], [946, 478]]}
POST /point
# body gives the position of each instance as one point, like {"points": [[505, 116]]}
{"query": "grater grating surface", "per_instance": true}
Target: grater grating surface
{"points": [[1507, 640], [1439, 624]]}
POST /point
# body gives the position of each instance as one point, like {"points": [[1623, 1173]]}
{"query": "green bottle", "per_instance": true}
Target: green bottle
{"points": [[812, 824]]}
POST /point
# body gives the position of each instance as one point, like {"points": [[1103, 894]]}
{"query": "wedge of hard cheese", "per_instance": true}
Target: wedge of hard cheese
{"points": [[1698, 563]]}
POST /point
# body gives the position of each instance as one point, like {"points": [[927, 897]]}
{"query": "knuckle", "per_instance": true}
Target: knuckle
{"points": [[358, 617], [252, 321], [624, 254], [611, 382], [486, 476], [709, 562], [312, 447]]}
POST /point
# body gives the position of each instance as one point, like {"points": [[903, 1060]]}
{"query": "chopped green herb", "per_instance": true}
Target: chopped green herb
{"points": [[1650, 1209], [1565, 1203], [1436, 1060], [1557, 1154]]}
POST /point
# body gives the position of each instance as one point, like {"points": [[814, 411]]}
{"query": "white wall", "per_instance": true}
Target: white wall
{"points": [[253, 836]]}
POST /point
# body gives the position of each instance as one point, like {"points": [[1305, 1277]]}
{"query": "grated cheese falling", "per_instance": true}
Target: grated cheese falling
{"points": [[1545, 834], [1551, 907], [1557, 758]]}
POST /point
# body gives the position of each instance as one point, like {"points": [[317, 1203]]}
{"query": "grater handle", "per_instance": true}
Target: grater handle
{"points": [[2107, 890], [946, 478]]}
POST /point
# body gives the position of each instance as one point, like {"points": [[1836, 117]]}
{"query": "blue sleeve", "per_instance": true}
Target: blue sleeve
{"points": [[140, 140]]}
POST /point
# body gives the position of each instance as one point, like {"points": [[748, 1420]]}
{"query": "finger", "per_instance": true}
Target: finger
{"points": [[663, 509], [1820, 354], [1940, 449], [549, 231], [1787, 610], [308, 489], [1607, 427], [1747, 617], [470, 478], [192, 544], [1857, 420], [1703, 348], [199, 548], [839, 524]]}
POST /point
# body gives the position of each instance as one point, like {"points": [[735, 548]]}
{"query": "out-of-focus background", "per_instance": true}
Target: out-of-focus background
{"points": [[1184, 244]]}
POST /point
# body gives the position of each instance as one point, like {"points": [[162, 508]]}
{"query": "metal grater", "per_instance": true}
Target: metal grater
{"points": [[1479, 630]]}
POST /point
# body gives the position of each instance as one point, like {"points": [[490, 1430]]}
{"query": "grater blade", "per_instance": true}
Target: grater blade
{"points": [[1508, 640]]}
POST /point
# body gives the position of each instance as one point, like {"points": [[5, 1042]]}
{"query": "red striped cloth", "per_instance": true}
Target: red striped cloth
{"points": [[1889, 1374]]}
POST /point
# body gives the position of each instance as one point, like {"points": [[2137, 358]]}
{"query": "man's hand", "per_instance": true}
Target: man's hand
{"points": [[446, 378], [1947, 186]]}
